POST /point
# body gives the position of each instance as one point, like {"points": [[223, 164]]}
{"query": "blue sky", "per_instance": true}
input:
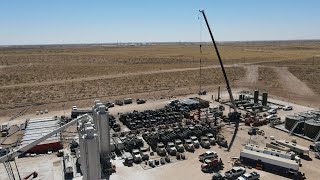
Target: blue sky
{"points": [[84, 21]]}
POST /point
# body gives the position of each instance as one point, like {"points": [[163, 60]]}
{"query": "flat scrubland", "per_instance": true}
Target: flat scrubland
{"points": [[113, 86], [55, 73]]}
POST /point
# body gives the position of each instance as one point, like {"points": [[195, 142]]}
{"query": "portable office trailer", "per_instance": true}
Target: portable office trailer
{"points": [[269, 162]]}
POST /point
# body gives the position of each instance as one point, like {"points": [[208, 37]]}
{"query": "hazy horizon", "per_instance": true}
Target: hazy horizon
{"points": [[168, 42], [41, 22]]}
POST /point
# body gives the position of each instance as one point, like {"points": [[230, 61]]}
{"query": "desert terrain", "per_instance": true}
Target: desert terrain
{"points": [[57, 76]]}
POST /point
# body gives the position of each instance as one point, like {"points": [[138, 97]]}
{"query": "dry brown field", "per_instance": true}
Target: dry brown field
{"points": [[58, 73]]}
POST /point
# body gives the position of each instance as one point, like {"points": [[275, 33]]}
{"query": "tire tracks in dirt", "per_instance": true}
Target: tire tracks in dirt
{"points": [[288, 81], [107, 77], [291, 83], [251, 78]]}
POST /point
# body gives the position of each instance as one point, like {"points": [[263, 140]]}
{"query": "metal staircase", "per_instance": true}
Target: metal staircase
{"points": [[294, 127], [317, 137]]}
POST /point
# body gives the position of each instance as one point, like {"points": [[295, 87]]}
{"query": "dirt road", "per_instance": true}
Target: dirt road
{"points": [[251, 77], [291, 83], [109, 76]]}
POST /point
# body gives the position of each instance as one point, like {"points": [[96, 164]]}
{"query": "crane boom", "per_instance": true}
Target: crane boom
{"points": [[25, 148], [233, 116], [221, 64]]}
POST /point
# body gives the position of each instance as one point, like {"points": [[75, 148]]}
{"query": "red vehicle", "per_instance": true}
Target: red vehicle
{"points": [[211, 164]]}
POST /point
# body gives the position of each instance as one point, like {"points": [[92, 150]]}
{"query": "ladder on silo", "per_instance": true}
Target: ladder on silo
{"points": [[294, 127], [317, 137]]}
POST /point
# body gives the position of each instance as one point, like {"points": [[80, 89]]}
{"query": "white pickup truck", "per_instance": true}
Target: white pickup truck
{"points": [[208, 155], [235, 172]]}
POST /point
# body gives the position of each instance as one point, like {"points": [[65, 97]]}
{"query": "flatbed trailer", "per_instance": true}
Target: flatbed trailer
{"points": [[301, 150]]}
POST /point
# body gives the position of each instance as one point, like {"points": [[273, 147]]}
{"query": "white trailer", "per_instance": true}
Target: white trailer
{"points": [[269, 162]]}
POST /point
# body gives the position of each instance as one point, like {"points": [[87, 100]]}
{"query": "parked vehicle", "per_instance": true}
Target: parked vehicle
{"points": [[235, 172], [272, 117], [4, 127], [249, 176], [74, 108], [287, 108], [217, 176], [167, 158], [195, 141], [208, 155], [211, 139], [144, 153], [179, 145], [221, 141], [116, 127], [3, 151], [216, 111], [118, 102], [162, 160], [128, 159], [152, 163], [136, 156], [205, 142], [171, 149], [272, 111], [188, 145], [109, 104], [202, 92], [127, 101], [141, 101], [210, 165], [161, 149]]}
